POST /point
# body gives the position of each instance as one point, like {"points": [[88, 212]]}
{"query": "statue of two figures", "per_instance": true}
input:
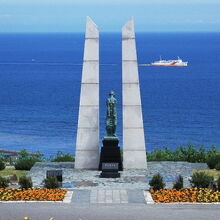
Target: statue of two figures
{"points": [[111, 115]]}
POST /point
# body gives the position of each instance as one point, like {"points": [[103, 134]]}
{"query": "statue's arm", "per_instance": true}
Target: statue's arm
{"points": [[108, 108]]}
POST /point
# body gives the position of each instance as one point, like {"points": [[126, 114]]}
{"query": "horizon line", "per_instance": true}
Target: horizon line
{"points": [[103, 32]]}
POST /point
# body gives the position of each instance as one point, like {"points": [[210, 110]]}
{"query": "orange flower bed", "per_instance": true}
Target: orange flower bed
{"points": [[185, 195], [11, 194], [173, 195]]}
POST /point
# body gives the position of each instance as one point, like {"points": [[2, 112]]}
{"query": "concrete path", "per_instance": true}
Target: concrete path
{"points": [[126, 211], [114, 196]]}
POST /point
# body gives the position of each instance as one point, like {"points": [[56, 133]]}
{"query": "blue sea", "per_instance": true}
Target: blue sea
{"points": [[40, 78]]}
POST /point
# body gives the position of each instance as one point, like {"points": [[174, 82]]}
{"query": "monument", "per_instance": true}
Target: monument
{"points": [[87, 141], [110, 157], [134, 152]]}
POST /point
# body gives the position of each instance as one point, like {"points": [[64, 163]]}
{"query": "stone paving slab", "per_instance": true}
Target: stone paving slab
{"points": [[124, 196], [136, 196], [108, 196], [81, 196]]}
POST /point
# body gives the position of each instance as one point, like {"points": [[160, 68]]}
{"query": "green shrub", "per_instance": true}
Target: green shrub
{"points": [[218, 183], [4, 182], [13, 178], [201, 180], [26, 161], [188, 153], [25, 164], [213, 160], [217, 166], [157, 155], [178, 183], [2, 164], [63, 157], [210, 162], [25, 182], [157, 182], [51, 183]]}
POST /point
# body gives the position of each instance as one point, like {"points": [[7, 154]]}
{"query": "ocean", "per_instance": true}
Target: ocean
{"points": [[40, 78]]}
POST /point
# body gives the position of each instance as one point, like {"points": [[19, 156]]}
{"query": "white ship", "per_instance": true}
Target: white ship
{"points": [[177, 62]]}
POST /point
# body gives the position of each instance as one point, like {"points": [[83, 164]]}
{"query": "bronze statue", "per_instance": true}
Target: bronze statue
{"points": [[111, 115]]}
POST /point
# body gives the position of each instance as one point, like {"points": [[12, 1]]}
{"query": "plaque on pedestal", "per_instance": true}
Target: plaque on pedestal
{"points": [[110, 170]]}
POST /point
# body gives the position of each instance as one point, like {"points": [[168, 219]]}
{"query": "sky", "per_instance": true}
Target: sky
{"points": [[109, 15]]}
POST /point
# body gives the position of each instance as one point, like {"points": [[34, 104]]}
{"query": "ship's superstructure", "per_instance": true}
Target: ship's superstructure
{"points": [[178, 62]]}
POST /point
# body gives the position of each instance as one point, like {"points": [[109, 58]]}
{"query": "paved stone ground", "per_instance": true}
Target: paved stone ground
{"points": [[88, 188], [129, 180]]}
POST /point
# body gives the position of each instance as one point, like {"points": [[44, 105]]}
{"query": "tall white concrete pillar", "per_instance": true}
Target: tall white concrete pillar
{"points": [[87, 141], [134, 151]]}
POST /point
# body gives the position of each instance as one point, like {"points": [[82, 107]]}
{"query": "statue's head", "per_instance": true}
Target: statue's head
{"points": [[112, 94]]}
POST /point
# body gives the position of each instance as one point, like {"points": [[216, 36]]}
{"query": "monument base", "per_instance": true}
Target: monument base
{"points": [[110, 152], [110, 158], [107, 174]]}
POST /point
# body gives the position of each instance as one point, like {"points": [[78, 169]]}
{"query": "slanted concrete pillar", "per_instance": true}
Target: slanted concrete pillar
{"points": [[134, 152], [87, 142]]}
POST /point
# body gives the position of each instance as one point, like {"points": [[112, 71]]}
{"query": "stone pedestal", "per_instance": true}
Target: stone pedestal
{"points": [[110, 155]]}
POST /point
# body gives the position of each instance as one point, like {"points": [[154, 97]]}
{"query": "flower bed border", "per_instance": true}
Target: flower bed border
{"points": [[149, 200], [67, 199]]}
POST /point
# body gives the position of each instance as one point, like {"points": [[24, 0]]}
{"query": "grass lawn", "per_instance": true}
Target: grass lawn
{"points": [[11, 171], [211, 172]]}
